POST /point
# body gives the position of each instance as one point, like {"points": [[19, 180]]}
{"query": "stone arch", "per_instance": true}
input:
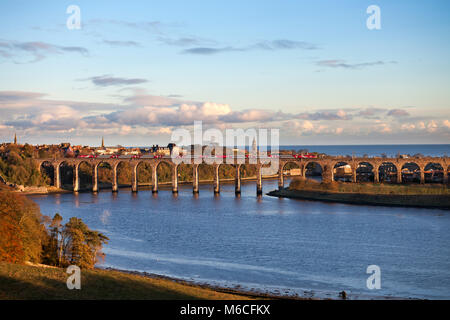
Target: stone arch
{"points": [[288, 165], [144, 173], [124, 173], [104, 173], [205, 172], [411, 172], [342, 171], [164, 170], [85, 172], [185, 172], [314, 170], [387, 172], [47, 170], [434, 172], [226, 171], [292, 168], [365, 172], [66, 174], [447, 174], [247, 170]]}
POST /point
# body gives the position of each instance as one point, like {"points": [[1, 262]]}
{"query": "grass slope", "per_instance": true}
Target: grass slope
{"points": [[33, 282], [413, 195]]}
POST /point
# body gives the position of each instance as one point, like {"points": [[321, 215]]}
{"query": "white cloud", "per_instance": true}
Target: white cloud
{"points": [[432, 126], [446, 123]]}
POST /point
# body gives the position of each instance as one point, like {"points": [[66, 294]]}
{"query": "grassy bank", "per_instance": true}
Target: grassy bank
{"points": [[37, 282], [370, 188], [425, 196]]}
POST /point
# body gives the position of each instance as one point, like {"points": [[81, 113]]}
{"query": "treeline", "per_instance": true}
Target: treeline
{"points": [[17, 166], [27, 235]]}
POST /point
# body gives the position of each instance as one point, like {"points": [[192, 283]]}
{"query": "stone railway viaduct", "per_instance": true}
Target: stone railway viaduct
{"points": [[327, 165]]}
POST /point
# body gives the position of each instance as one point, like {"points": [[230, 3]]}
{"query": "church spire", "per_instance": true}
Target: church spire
{"points": [[15, 138], [103, 142]]}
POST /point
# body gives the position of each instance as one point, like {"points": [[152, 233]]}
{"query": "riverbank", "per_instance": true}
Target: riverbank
{"points": [[368, 194], [23, 282], [42, 282]]}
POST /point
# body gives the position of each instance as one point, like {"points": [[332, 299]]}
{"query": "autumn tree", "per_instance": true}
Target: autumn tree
{"points": [[81, 246], [21, 228]]}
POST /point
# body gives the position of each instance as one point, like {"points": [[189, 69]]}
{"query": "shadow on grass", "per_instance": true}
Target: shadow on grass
{"points": [[51, 284]]}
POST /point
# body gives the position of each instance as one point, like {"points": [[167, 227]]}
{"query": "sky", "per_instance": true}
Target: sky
{"points": [[135, 71]]}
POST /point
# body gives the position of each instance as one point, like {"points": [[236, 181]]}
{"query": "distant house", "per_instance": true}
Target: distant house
{"points": [[69, 153]]}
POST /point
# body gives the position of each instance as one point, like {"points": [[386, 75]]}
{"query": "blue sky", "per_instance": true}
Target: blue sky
{"points": [[137, 70]]}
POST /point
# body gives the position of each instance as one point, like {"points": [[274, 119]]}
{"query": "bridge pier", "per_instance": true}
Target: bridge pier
{"points": [[195, 188], [353, 174], [327, 173], [376, 175], [302, 170], [175, 179], [237, 180], [422, 175], [56, 176], [280, 178], [95, 178], [399, 176], [216, 180], [76, 180], [258, 180], [134, 179], [154, 179], [115, 187]]}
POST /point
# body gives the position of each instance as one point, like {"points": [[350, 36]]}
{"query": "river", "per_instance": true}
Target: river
{"points": [[268, 244]]}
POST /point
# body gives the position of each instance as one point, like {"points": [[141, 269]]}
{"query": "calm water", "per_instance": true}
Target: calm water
{"points": [[268, 243], [435, 150]]}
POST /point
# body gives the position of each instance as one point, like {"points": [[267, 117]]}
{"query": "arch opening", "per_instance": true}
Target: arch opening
{"points": [[185, 172], [104, 172], [66, 175], [124, 174], [387, 172], [47, 171], [85, 175], [410, 173], [291, 169], [226, 171], [342, 171], [434, 173], [248, 171], [448, 174], [144, 174], [364, 172], [164, 171], [205, 172], [313, 170]]}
